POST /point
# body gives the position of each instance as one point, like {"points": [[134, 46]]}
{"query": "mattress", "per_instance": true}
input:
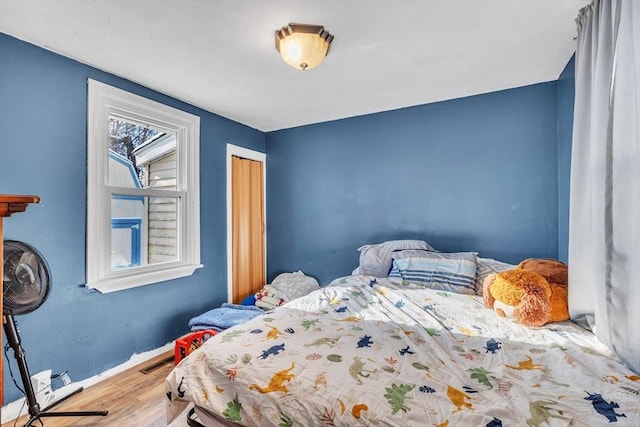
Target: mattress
{"points": [[365, 351]]}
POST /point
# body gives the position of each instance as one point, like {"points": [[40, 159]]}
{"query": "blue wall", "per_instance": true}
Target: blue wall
{"points": [[43, 152], [470, 174], [566, 96]]}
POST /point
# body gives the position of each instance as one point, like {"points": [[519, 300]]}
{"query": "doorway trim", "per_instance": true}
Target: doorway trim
{"points": [[245, 153]]}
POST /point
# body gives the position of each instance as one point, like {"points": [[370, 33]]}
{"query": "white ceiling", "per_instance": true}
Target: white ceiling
{"points": [[219, 54]]}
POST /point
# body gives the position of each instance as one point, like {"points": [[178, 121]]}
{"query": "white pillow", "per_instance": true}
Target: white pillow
{"points": [[294, 285], [375, 260]]}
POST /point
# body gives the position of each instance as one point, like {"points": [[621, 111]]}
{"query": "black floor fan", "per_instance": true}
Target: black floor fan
{"points": [[26, 287]]}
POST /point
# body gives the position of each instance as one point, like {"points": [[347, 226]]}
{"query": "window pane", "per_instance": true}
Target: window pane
{"points": [[123, 252], [140, 156], [143, 230], [163, 234]]}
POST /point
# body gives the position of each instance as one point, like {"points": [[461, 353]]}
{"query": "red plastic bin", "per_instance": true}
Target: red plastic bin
{"points": [[187, 344]]}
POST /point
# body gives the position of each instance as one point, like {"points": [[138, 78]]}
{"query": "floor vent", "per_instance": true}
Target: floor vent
{"points": [[150, 368]]}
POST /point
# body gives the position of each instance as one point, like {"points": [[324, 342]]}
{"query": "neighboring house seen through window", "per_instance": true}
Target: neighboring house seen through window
{"points": [[143, 190]]}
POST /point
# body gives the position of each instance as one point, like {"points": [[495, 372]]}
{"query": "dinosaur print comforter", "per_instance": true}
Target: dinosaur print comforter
{"points": [[364, 351]]}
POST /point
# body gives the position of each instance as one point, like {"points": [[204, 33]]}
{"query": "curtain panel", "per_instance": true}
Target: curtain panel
{"points": [[604, 234]]}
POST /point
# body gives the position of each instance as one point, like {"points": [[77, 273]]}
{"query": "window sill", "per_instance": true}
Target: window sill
{"points": [[134, 280]]}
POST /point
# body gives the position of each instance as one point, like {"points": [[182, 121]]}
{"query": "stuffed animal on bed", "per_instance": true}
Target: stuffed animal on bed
{"points": [[557, 274], [533, 294]]}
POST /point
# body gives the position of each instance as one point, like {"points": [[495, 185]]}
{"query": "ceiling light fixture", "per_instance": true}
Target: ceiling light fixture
{"points": [[303, 46]]}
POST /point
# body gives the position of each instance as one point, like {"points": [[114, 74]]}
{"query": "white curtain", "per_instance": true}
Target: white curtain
{"points": [[604, 225]]}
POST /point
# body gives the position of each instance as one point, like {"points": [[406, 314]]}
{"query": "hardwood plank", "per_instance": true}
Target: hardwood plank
{"points": [[131, 397]]}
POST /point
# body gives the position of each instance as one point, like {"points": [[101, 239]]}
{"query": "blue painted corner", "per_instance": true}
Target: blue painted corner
{"points": [[470, 174]]}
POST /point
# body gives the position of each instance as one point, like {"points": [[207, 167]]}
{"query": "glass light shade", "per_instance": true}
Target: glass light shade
{"points": [[303, 46]]}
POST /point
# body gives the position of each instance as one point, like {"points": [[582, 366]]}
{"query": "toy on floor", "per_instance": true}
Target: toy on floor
{"points": [[187, 344], [532, 294]]}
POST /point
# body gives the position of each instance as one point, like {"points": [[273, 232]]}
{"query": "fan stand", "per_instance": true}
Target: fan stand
{"points": [[13, 339]]}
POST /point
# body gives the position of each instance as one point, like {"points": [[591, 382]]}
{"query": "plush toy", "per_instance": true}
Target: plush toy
{"points": [[533, 293], [557, 274]]}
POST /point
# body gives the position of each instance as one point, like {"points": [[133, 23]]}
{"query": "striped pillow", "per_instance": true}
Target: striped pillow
{"points": [[453, 272], [375, 260]]}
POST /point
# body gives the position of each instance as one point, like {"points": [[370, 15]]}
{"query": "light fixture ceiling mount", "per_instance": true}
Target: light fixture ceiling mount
{"points": [[303, 46]]}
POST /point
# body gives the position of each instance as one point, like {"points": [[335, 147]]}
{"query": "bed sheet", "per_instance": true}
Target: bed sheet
{"points": [[365, 351]]}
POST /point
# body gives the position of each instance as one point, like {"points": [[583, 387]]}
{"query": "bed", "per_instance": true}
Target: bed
{"points": [[370, 351]]}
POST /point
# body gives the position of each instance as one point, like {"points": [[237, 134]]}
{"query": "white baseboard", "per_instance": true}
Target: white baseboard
{"points": [[12, 410]]}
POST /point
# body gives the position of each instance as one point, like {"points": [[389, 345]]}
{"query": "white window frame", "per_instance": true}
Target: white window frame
{"points": [[103, 101]]}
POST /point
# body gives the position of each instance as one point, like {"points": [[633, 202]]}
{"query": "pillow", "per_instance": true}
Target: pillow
{"points": [[487, 266], [405, 253], [453, 272], [375, 260], [294, 285]]}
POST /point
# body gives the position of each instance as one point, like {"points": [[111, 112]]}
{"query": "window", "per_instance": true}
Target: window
{"points": [[143, 218]]}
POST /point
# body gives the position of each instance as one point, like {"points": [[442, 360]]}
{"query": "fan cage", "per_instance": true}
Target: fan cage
{"points": [[26, 281]]}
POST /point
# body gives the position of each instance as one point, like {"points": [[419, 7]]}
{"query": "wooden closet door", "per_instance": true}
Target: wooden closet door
{"points": [[247, 227]]}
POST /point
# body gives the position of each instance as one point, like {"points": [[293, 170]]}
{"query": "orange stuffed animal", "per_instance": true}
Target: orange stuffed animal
{"points": [[557, 274], [533, 293]]}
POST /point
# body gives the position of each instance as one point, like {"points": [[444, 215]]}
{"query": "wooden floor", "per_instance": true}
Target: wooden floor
{"points": [[132, 398]]}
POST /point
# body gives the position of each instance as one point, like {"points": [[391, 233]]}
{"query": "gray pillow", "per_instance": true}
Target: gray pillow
{"points": [[375, 260], [486, 266]]}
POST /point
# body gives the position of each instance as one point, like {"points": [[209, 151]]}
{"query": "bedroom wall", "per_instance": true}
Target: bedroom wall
{"points": [[566, 96], [43, 152], [471, 174]]}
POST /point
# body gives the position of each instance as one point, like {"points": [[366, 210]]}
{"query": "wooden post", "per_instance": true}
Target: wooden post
{"points": [[9, 204]]}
